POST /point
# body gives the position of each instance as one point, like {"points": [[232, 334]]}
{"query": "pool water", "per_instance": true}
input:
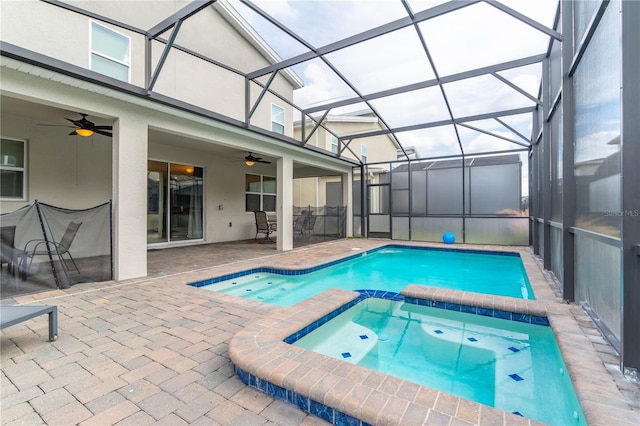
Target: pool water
{"points": [[513, 366], [388, 269]]}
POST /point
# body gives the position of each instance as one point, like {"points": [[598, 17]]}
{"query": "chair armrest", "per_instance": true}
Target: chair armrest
{"points": [[37, 244]]}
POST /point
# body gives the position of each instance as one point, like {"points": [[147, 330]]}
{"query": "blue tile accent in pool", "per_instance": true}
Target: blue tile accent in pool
{"points": [[515, 377], [449, 306], [472, 339], [517, 413], [364, 337], [321, 410], [334, 262], [345, 419], [513, 349], [487, 312], [345, 355], [438, 331], [469, 309], [539, 320], [304, 403]]}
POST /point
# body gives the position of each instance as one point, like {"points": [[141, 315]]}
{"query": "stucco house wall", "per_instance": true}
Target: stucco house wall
{"points": [[77, 172]]}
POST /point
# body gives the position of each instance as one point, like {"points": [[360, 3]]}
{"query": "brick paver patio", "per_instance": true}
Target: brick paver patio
{"points": [[155, 350]]}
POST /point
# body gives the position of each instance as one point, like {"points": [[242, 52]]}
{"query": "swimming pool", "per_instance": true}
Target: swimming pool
{"points": [[390, 268], [510, 365]]}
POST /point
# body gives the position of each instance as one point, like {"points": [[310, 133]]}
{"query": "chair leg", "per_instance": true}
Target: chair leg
{"points": [[72, 261]]}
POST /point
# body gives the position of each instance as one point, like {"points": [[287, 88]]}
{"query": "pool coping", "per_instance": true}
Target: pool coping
{"points": [[346, 393]]}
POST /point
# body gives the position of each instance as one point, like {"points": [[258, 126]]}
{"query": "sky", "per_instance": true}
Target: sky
{"points": [[472, 37]]}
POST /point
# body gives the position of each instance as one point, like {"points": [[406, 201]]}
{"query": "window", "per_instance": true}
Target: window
{"points": [[335, 145], [260, 193], [277, 119], [13, 169], [109, 52], [363, 154]]}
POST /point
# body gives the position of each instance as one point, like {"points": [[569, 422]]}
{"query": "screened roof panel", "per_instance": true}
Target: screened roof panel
{"points": [[474, 142], [499, 128], [321, 84], [527, 78], [519, 125], [543, 11], [415, 107], [454, 60], [483, 94], [324, 22], [391, 60], [478, 36], [431, 142], [420, 5], [283, 44]]}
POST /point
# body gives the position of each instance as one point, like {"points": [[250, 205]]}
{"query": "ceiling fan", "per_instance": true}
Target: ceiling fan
{"points": [[250, 160], [85, 127]]}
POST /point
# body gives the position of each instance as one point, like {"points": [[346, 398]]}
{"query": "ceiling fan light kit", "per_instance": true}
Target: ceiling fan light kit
{"points": [[250, 160], [84, 127], [83, 132]]}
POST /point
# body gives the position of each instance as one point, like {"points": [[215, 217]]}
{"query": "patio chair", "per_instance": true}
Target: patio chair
{"points": [[39, 247], [300, 223], [307, 229], [263, 226]]}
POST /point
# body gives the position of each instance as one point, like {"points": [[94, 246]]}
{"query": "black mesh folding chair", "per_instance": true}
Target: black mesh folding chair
{"points": [[35, 248]]}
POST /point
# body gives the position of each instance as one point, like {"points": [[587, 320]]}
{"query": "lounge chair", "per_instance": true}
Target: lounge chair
{"points": [[35, 248], [12, 315], [263, 226]]}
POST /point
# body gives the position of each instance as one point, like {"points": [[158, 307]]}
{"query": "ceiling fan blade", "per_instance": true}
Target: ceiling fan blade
{"points": [[54, 125], [102, 132], [103, 127], [262, 161]]}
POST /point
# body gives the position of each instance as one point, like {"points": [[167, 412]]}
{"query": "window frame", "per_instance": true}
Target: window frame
{"points": [[275, 122], [260, 193], [14, 168], [107, 57], [335, 144]]}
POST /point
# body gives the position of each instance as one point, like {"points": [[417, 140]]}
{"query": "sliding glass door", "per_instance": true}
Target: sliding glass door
{"points": [[174, 202]]}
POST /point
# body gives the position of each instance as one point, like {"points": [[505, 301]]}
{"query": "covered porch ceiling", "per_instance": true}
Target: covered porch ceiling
{"points": [[54, 119]]}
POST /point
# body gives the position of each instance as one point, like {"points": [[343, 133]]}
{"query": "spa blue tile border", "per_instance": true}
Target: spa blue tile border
{"points": [[364, 294], [334, 262], [476, 310], [334, 416], [380, 294], [306, 404]]}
